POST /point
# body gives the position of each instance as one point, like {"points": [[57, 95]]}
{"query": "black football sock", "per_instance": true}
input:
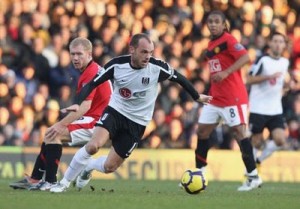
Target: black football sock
{"points": [[54, 152], [39, 165], [201, 153], [247, 154]]}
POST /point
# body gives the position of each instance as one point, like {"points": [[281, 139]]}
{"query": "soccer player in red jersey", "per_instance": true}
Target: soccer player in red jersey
{"points": [[230, 100], [77, 127]]}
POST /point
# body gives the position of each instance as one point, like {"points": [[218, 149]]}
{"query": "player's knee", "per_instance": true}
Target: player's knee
{"points": [[202, 134], [52, 141], [256, 141], [110, 168], [92, 148]]}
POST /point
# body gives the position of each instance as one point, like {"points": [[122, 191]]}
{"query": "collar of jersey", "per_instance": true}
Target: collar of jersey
{"points": [[135, 68], [214, 38]]}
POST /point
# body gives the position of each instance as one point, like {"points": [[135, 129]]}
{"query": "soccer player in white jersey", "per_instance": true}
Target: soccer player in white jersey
{"points": [[135, 79], [268, 78]]}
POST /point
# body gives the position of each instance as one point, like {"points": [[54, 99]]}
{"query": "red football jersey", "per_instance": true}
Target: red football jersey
{"points": [[222, 53], [100, 95]]}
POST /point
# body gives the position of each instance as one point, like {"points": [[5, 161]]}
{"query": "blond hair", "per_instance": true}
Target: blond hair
{"points": [[87, 45]]}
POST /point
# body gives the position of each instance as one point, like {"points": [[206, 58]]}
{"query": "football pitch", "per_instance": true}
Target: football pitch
{"points": [[133, 194]]}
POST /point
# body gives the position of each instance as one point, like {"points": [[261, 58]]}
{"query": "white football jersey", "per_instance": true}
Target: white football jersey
{"points": [[135, 90], [265, 97]]}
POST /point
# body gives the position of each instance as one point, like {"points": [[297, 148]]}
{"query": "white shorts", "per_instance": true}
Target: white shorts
{"points": [[81, 130], [231, 115]]}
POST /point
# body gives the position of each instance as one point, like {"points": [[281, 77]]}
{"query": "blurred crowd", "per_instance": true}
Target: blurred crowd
{"points": [[37, 77]]}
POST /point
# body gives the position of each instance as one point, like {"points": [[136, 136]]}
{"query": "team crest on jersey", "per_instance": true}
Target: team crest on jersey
{"points": [[145, 80], [238, 47], [217, 50], [125, 92]]}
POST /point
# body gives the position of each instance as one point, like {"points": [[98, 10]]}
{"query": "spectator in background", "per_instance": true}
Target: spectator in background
{"points": [[4, 123], [4, 94], [43, 7], [169, 98], [98, 51], [16, 105], [53, 50], [176, 138], [40, 62], [13, 28], [63, 74], [25, 41], [154, 137], [43, 89], [126, 16], [20, 91], [9, 50], [39, 104], [30, 82], [28, 116], [118, 46], [65, 96]]}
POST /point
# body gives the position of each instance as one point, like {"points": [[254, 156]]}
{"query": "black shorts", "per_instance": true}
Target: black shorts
{"points": [[258, 122], [124, 133]]}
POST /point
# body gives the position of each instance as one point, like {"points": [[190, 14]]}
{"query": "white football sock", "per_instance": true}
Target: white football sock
{"points": [[253, 173], [268, 150], [97, 164], [79, 161]]}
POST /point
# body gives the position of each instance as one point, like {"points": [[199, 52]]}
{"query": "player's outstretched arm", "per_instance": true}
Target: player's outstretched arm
{"points": [[188, 86]]}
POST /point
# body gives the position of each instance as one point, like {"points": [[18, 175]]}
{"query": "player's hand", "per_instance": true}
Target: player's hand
{"points": [[72, 108], [53, 131], [218, 77], [205, 99]]}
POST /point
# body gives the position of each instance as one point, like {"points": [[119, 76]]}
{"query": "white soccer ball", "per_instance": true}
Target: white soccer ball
{"points": [[193, 181]]}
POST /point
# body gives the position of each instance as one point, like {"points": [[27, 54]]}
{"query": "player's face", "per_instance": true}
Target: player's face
{"points": [[277, 45], [215, 24], [80, 57], [140, 55]]}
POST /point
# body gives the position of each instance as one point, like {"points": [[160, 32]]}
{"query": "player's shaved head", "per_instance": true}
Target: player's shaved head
{"points": [[134, 42]]}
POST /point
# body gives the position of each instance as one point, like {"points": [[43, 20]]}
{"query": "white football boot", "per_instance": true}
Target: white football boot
{"points": [[62, 186], [250, 183], [83, 179]]}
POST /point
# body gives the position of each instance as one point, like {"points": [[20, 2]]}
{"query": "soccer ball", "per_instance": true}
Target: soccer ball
{"points": [[193, 181]]}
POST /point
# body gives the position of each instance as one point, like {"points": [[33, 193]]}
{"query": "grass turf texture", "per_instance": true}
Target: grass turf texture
{"points": [[135, 194]]}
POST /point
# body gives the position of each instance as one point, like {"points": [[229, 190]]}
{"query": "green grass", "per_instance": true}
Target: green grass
{"points": [[133, 194]]}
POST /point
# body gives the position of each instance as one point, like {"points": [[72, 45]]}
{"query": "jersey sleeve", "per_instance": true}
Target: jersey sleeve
{"points": [[165, 72], [235, 49], [257, 68], [186, 84]]}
